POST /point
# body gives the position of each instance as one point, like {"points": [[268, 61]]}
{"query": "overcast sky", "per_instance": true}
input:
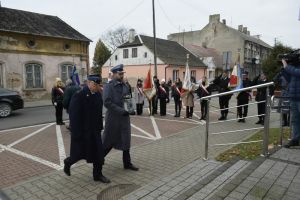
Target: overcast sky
{"points": [[269, 18]]}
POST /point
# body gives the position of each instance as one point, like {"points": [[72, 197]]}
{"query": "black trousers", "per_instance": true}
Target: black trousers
{"points": [[203, 104], [224, 102], [154, 105], [139, 108], [261, 110], [241, 102], [163, 106], [126, 156], [189, 111], [59, 112], [97, 166], [178, 104]]}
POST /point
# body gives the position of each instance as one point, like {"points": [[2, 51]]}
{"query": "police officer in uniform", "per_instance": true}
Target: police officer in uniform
{"points": [[243, 99], [117, 131], [86, 122]]}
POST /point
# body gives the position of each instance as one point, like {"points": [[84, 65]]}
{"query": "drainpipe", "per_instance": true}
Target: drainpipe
{"points": [[166, 72]]}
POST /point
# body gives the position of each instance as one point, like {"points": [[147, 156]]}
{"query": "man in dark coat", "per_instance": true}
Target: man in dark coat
{"points": [[154, 99], [243, 99], [117, 132], [261, 97], [176, 94], [86, 124], [222, 84]]}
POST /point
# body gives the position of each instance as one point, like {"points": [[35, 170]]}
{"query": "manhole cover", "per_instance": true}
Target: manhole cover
{"points": [[116, 192]]}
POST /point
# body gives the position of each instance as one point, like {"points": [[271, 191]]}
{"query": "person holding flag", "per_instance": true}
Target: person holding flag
{"points": [[149, 90]]}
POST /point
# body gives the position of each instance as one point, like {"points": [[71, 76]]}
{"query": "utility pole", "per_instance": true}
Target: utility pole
{"points": [[154, 38]]}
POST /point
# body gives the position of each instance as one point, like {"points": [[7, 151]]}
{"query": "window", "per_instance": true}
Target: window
{"points": [[193, 74], [33, 75], [145, 55], [66, 72], [226, 60], [134, 52], [175, 74], [1, 76], [116, 57], [125, 53]]}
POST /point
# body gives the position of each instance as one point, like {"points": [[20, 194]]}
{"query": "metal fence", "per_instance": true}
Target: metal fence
{"points": [[265, 139]]}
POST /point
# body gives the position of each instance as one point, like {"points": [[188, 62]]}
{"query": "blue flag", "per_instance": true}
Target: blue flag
{"points": [[240, 79], [75, 76]]}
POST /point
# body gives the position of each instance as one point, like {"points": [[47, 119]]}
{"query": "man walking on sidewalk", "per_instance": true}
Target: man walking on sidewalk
{"points": [[86, 124], [117, 132]]}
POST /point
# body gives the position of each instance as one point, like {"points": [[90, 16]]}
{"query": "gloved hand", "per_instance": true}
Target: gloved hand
{"points": [[125, 113], [55, 104]]}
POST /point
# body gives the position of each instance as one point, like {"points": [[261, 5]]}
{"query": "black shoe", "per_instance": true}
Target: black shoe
{"points": [[131, 167], [291, 144], [240, 120], [67, 169], [102, 179], [221, 118], [258, 122], [243, 120], [60, 123]]}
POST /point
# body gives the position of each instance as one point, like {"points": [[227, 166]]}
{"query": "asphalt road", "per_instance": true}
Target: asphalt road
{"points": [[30, 116]]}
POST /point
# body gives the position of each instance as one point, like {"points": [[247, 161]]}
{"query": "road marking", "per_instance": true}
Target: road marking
{"points": [[61, 146], [30, 135], [156, 130], [31, 157], [15, 129], [143, 131], [140, 136]]}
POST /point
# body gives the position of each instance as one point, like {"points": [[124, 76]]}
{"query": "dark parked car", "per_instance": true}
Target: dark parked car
{"points": [[9, 101]]}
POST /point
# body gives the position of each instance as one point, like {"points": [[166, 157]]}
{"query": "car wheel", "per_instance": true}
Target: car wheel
{"points": [[5, 109]]}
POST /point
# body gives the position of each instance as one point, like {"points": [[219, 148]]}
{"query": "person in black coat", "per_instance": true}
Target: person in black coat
{"points": [[57, 100], [261, 96], [176, 94], [86, 121], [222, 84], [203, 91], [163, 96], [154, 99], [243, 99]]}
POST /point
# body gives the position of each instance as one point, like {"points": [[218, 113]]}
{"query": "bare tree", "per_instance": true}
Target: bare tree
{"points": [[116, 37]]}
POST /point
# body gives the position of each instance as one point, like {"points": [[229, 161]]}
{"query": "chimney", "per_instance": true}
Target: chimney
{"points": [[214, 18], [224, 21], [240, 28], [245, 30], [248, 32], [131, 35]]}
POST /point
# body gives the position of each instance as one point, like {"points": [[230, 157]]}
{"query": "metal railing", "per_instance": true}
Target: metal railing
{"points": [[265, 139]]}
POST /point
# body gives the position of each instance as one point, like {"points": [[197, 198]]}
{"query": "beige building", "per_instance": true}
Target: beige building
{"points": [[228, 42], [37, 48], [137, 55]]}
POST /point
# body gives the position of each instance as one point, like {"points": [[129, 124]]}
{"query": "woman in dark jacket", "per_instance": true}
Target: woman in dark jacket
{"points": [[176, 92], [57, 100], [261, 96]]}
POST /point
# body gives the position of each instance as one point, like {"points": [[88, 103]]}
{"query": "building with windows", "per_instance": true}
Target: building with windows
{"points": [[137, 55], [37, 48], [229, 42]]}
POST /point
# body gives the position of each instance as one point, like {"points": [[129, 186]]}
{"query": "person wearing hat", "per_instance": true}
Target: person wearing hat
{"points": [[243, 99], [139, 97], [117, 131], [86, 123], [163, 96], [57, 100]]}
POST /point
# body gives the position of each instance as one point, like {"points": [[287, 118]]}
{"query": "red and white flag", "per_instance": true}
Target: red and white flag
{"points": [[149, 90], [234, 77]]}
